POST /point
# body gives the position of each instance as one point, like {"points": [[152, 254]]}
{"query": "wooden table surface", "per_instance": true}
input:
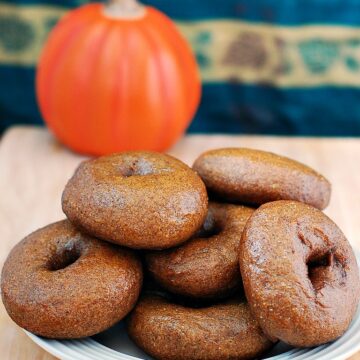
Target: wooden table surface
{"points": [[34, 169]]}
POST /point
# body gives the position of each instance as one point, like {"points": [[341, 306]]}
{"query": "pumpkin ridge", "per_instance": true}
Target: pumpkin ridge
{"points": [[187, 62], [115, 107], [158, 139], [67, 82], [168, 116], [94, 108], [121, 119], [50, 69]]}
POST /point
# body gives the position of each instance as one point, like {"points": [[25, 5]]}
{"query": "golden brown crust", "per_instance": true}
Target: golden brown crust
{"points": [[256, 177], [59, 283], [207, 265], [141, 200], [168, 331], [299, 272]]}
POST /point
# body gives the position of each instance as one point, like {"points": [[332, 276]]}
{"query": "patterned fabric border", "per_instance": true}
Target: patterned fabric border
{"points": [[226, 50]]}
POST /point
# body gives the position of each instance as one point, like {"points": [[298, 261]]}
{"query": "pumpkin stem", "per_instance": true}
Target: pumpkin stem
{"points": [[124, 9]]}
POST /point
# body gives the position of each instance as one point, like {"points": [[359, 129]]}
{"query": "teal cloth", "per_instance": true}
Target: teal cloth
{"points": [[231, 105]]}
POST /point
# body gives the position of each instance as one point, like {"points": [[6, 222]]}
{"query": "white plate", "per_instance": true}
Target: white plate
{"points": [[114, 344]]}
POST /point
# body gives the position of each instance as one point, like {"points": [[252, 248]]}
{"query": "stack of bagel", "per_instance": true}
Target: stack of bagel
{"points": [[218, 261]]}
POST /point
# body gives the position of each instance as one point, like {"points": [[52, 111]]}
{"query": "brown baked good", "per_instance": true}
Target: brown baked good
{"points": [[256, 177], [299, 272], [168, 331], [59, 283], [207, 265], [142, 200]]}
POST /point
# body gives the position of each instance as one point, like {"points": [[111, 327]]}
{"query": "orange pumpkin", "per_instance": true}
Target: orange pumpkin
{"points": [[117, 77]]}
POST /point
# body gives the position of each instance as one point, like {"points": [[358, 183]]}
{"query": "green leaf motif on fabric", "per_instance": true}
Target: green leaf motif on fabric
{"points": [[203, 60], [352, 64], [201, 42], [318, 54], [203, 38], [15, 33]]}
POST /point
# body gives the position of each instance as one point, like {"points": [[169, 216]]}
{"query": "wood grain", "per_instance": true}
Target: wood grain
{"points": [[34, 169]]}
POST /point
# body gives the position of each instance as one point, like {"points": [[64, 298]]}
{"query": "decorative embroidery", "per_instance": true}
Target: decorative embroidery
{"points": [[318, 55], [202, 41], [352, 64], [293, 56], [16, 34], [283, 56], [247, 50]]}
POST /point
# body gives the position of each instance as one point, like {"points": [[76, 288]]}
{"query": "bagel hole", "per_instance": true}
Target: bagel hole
{"points": [[64, 257], [317, 263], [209, 228], [137, 168], [207, 233]]}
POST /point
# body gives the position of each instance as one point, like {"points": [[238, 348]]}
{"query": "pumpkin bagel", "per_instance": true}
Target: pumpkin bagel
{"points": [[168, 331], [256, 177], [207, 265], [59, 283], [142, 200], [300, 274]]}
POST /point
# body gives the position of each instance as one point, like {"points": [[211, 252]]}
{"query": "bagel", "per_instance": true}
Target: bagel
{"points": [[206, 266], [299, 272], [169, 331], [256, 177], [59, 283], [141, 200]]}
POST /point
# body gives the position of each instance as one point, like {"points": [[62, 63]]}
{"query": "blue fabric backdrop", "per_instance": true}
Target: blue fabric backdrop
{"points": [[286, 67]]}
